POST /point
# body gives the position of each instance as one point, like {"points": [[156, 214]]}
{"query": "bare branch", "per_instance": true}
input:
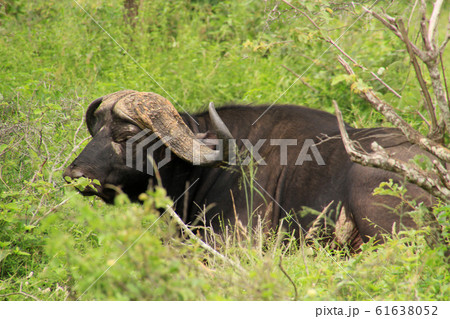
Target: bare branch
{"points": [[447, 36], [389, 113], [49, 212], [205, 246], [423, 25], [20, 292], [396, 31], [423, 86], [438, 89], [386, 85], [444, 78], [381, 159], [304, 13], [432, 28], [442, 172], [384, 21], [412, 12], [424, 119]]}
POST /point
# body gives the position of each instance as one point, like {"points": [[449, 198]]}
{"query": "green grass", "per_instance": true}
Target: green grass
{"points": [[54, 60]]}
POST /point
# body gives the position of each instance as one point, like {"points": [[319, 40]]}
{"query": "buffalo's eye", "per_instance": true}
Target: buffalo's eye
{"points": [[123, 131]]}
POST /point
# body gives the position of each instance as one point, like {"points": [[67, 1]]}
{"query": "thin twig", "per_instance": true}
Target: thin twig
{"points": [[205, 246], [20, 292], [332, 42], [49, 212], [1, 179], [424, 119], [280, 265], [304, 13], [445, 78], [423, 86], [432, 28], [63, 165], [447, 36], [412, 12], [300, 78], [394, 28], [424, 26]]}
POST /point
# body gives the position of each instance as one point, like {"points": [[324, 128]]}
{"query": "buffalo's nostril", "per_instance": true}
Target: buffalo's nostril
{"points": [[72, 174], [76, 173]]}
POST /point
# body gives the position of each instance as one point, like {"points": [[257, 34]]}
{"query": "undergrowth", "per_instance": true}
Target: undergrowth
{"points": [[57, 245]]}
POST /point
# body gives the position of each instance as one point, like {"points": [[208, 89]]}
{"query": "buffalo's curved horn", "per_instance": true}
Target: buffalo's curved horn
{"points": [[222, 133], [152, 111]]}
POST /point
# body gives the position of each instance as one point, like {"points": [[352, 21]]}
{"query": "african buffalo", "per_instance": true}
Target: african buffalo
{"points": [[302, 164]]}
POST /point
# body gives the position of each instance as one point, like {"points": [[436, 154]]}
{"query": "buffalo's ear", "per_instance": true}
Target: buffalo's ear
{"points": [[107, 102], [90, 118], [208, 138]]}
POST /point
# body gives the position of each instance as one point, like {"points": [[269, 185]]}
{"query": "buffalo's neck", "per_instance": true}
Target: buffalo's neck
{"points": [[189, 185]]}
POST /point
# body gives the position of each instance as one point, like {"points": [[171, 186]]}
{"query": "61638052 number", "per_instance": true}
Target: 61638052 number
{"points": [[406, 310]]}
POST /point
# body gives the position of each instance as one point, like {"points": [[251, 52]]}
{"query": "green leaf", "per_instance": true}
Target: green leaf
{"points": [[359, 86], [29, 227], [4, 244], [18, 252], [341, 78], [4, 253]]}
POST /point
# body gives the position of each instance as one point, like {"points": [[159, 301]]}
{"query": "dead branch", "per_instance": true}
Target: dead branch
{"points": [[20, 292], [447, 36], [444, 78], [423, 25], [389, 113], [412, 13], [303, 13], [54, 208], [442, 172], [432, 28], [381, 159], [430, 56], [392, 25], [202, 244], [423, 86]]}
